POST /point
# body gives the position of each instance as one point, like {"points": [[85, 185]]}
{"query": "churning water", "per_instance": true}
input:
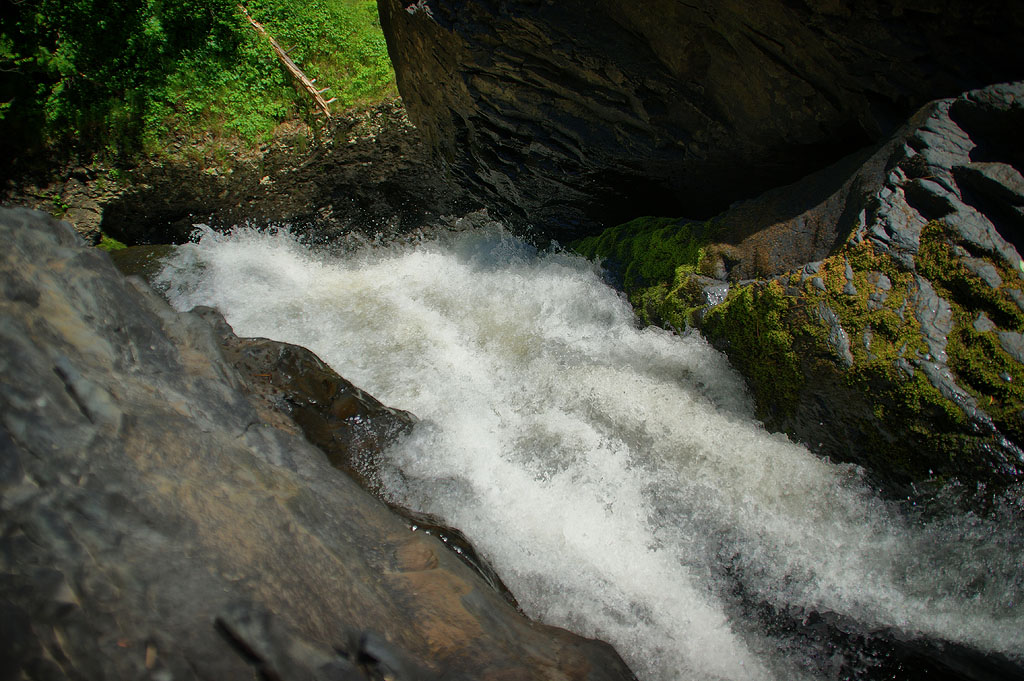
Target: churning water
{"points": [[614, 477]]}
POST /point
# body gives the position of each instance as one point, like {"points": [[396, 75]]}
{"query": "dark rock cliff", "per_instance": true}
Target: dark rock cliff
{"points": [[875, 307], [570, 114], [160, 519]]}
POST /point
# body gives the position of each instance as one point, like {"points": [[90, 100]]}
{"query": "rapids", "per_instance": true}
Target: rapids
{"points": [[615, 477]]}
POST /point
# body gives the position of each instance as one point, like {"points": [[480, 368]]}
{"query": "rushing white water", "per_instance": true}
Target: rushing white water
{"points": [[614, 477]]}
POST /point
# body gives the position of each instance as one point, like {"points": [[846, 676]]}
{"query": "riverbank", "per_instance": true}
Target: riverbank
{"points": [[369, 172]]}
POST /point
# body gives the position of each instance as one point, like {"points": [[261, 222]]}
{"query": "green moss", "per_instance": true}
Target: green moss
{"points": [[938, 261], [655, 260], [913, 420], [108, 244], [776, 337], [752, 325], [894, 330], [674, 305], [647, 251]]}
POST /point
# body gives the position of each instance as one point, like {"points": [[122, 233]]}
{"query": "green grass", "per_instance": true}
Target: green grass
{"points": [[120, 77]]}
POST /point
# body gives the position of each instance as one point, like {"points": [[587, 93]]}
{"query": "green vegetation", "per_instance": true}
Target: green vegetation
{"points": [[648, 250], [753, 325], [120, 77], [654, 258], [885, 338], [109, 243]]}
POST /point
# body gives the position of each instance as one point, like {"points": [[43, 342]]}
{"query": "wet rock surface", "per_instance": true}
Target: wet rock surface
{"points": [[350, 426], [290, 386], [159, 522], [575, 114]]}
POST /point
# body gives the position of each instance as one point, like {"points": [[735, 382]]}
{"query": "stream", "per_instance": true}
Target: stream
{"points": [[615, 477]]}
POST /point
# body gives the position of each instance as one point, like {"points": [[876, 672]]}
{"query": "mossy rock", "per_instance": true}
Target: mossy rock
{"points": [[144, 261], [868, 399], [647, 251], [110, 244]]}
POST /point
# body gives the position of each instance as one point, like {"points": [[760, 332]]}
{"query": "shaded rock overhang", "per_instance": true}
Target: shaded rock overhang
{"points": [[572, 115]]}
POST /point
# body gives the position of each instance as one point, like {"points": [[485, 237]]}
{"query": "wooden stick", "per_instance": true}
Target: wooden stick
{"points": [[291, 66]]}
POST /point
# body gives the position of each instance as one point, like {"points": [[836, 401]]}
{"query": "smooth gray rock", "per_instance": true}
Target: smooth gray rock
{"points": [[983, 324], [1018, 297], [838, 340], [1013, 343], [156, 525], [936, 318], [1001, 181], [984, 270], [882, 285], [880, 281]]}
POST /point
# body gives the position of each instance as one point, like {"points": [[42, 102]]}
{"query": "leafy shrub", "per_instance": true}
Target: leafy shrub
{"points": [[123, 76]]}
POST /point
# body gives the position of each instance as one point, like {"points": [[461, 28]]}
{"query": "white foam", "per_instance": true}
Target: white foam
{"points": [[609, 474]]}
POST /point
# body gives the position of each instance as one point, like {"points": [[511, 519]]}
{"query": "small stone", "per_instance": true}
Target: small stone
{"points": [[880, 280], [837, 340], [1018, 297], [877, 300], [850, 289], [984, 270], [818, 283], [809, 270], [1013, 344], [983, 324], [849, 271], [715, 294]]}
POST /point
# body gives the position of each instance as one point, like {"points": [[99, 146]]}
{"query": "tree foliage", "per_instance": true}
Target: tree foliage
{"points": [[120, 76]]}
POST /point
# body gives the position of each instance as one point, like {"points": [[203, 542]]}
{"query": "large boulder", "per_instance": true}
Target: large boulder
{"points": [[581, 112], [876, 307], [158, 522]]}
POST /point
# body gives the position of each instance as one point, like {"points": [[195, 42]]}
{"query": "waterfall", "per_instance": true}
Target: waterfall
{"points": [[615, 477]]}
